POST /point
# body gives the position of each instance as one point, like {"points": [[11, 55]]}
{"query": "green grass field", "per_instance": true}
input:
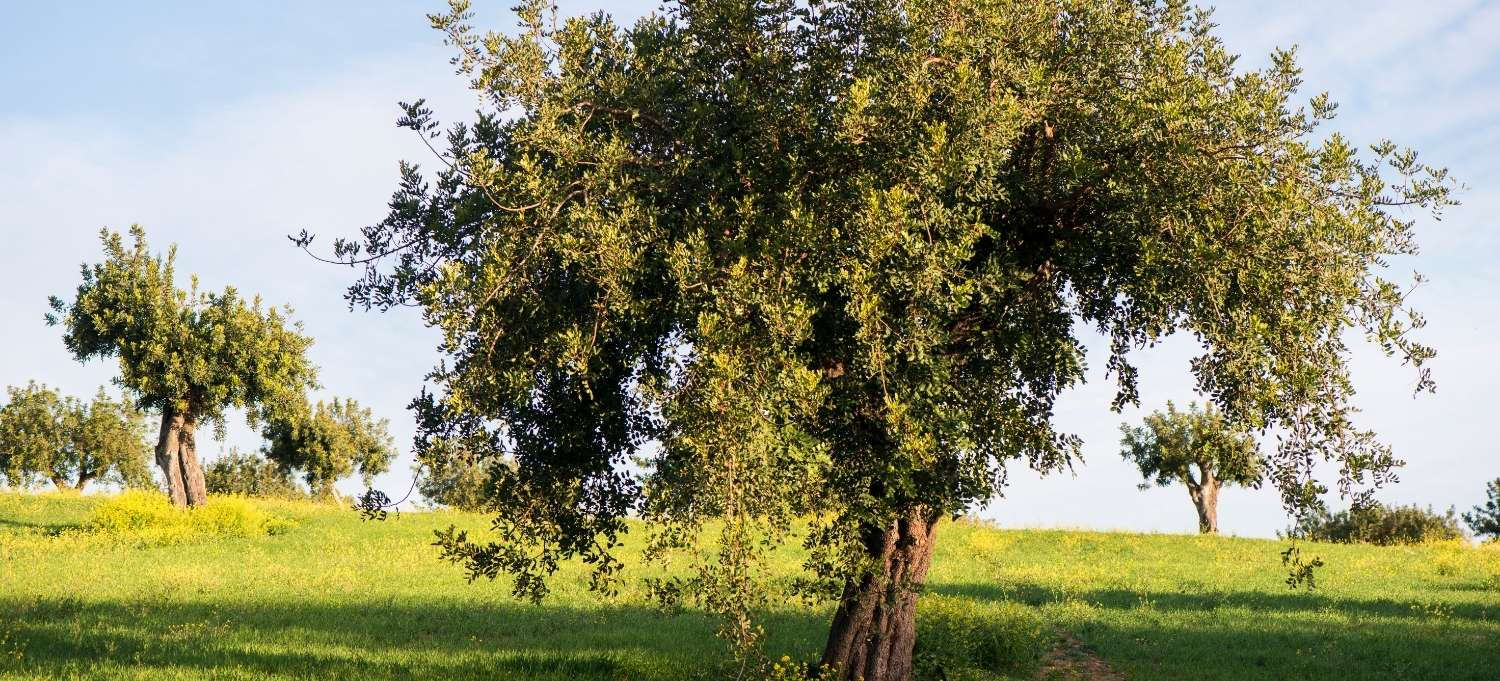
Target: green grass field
{"points": [[337, 598]]}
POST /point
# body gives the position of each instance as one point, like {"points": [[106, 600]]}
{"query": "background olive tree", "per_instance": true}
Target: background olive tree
{"points": [[329, 441], [186, 354], [249, 474], [455, 476], [45, 435], [1196, 448], [836, 260]]}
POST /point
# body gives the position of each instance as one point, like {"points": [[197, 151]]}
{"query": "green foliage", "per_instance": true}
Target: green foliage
{"points": [[1485, 520], [247, 474], [1171, 444], [329, 441], [1378, 524], [959, 639], [111, 442], [454, 477], [838, 258], [47, 436], [186, 352], [33, 431], [148, 519]]}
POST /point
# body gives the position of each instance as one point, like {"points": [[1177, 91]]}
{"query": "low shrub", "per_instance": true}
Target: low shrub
{"points": [[958, 639], [251, 475], [1379, 524], [150, 519]]}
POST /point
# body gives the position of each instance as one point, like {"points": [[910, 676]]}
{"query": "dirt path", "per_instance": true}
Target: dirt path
{"points": [[1071, 660]]}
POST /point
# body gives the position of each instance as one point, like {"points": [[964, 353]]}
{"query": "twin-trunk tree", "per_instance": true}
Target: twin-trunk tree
{"points": [[186, 354], [836, 259], [1197, 448]]}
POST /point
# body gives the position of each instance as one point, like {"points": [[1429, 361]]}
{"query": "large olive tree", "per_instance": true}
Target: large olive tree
{"points": [[836, 260], [1197, 448], [187, 354]]}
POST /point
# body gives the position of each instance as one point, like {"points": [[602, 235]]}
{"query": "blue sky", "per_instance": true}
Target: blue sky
{"points": [[223, 127]]}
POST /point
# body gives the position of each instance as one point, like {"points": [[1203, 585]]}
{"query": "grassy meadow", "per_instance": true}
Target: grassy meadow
{"points": [[328, 596]]}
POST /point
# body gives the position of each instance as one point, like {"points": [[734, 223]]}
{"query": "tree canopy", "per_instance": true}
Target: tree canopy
{"points": [[836, 261], [46, 435], [329, 441], [187, 354], [1196, 448]]}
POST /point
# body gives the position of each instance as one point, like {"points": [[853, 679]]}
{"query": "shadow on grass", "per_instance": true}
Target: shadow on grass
{"points": [[1174, 635], [1289, 602], [371, 640], [49, 529]]}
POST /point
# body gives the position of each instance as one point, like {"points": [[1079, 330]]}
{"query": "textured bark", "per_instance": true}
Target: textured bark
{"points": [[177, 455], [1205, 496], [83, 481], [167, 456], [193, 482], [875, 628]]}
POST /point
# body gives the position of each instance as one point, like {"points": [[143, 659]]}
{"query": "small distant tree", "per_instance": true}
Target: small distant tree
{"points": [[109, 440], [1485, 520], [187, 354], [238, 472], [1197, 448], [33, 430], [330, 441], [46, 435], [455, 476]]}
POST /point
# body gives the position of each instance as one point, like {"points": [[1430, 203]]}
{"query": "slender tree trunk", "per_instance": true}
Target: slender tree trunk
{"points": [[1208, 508], [83, 481], [1205, 495], [167, 456], [192, 469], [60, 483], [875, 628]]}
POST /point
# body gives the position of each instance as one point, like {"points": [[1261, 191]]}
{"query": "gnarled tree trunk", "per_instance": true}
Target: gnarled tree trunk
{"points": [[1205, 495], [177, 455], [192, 468], [875, 628]]}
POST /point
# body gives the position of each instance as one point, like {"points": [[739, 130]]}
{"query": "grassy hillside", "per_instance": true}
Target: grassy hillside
{"points": [[334, 597]]}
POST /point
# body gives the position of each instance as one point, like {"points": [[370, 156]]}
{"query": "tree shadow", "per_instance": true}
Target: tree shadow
{"points": [[48, 528], [370, 640], [1034, 594], [1174, 635]]}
